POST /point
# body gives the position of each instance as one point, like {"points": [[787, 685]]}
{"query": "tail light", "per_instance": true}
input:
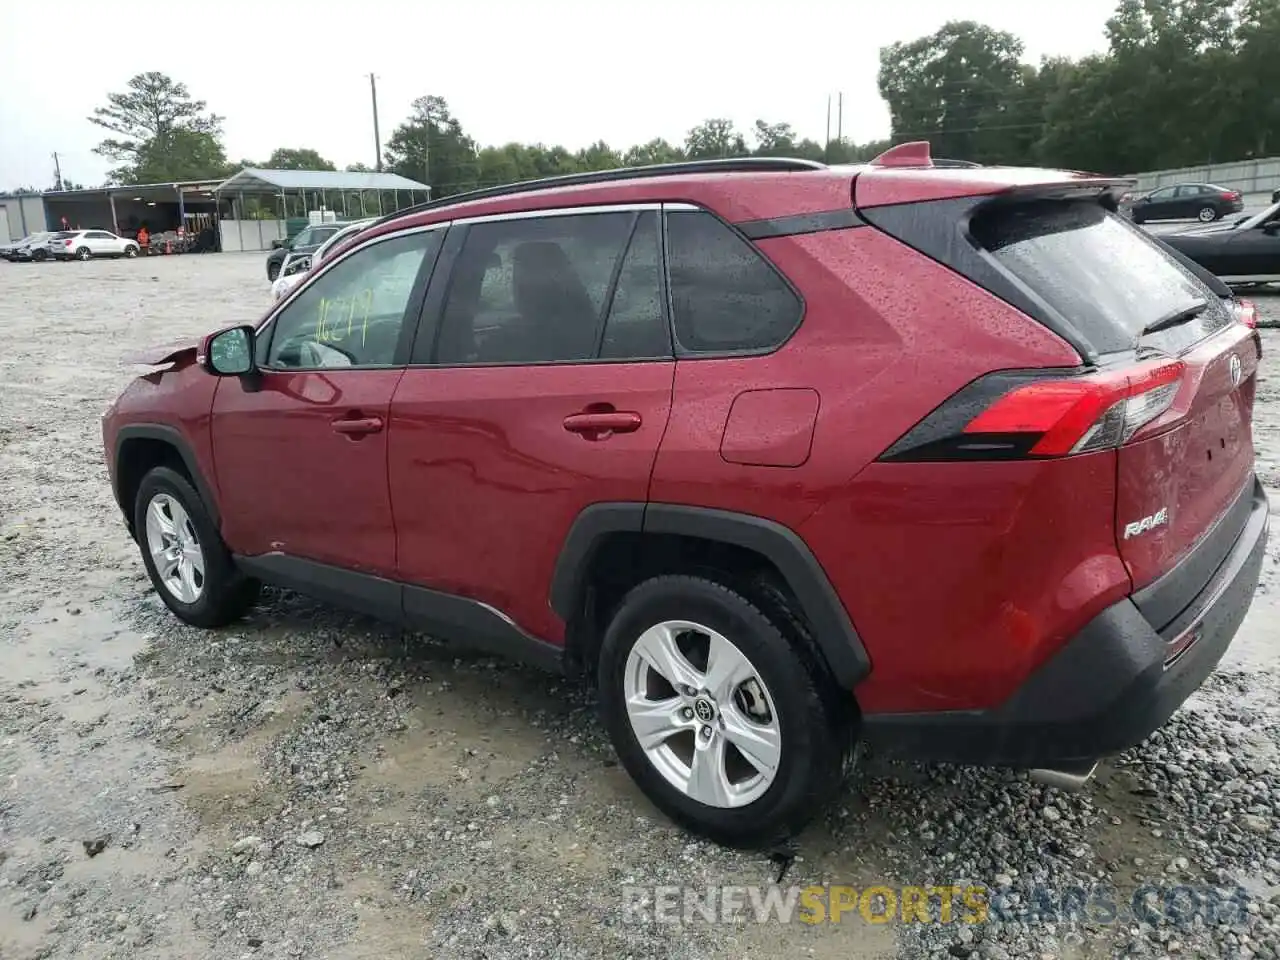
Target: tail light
{"points": [[1246, 312], [1032, 415], [1232, 195], [67, 243]]}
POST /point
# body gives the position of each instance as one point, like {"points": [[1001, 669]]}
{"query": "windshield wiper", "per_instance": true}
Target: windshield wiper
{"points": [[1175, 317]]}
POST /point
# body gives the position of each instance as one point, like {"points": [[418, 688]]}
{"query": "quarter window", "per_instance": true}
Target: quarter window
{"points": [[725, 296], [352, 315]]}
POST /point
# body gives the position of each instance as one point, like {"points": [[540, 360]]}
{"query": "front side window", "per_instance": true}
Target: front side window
{"points": [[352, 315], [725, 296], [532, 290]]}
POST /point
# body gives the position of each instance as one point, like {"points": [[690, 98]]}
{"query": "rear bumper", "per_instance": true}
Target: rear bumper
{"points": [[1108, 688]]}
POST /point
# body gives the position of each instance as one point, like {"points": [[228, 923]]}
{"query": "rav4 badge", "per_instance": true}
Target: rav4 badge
{"points": [[1147, 523]]}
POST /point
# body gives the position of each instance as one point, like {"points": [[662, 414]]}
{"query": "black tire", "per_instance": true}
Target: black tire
{"points": [[273, 271], [1208, 214], [815, 732], [227, 594], [131, 251], [39, 256], [83, 254]]}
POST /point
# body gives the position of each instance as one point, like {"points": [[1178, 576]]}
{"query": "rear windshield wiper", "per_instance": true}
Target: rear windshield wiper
{"points": [[1175, 317]]}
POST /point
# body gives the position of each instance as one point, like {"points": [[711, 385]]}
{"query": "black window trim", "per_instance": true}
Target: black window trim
{"points": [[429, 324], [684, 354], [412, 306]]}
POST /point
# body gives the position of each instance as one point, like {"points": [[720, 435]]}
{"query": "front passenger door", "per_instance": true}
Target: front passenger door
{"points": [[301, 451]]}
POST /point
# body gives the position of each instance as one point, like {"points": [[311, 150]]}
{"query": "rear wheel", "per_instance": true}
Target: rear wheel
{"points": [[722, 721], [39, 255], [188, 563], [83, 253], [1207, 214]]}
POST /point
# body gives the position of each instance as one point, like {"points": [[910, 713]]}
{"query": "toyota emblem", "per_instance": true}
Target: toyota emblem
{"points": [[1237, 370]]}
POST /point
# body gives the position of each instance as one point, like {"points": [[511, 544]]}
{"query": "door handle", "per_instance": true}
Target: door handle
{"points": [[358, 426], [596, 426]]}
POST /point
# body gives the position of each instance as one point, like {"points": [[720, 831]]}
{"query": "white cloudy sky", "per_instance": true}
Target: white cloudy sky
{"points": [[559, 71]]}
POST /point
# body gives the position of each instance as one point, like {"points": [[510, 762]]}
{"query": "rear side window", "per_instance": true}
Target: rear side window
{"points": [[537, 290], [725, 297], [1106, 279]]}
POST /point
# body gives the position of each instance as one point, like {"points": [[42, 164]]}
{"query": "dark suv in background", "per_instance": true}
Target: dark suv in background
{"points": [[306, 241], [956, 462]]}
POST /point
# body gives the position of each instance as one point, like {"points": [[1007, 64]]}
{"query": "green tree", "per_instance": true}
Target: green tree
{"points": [[153, 118], [774, 139], [431, 148], [178, 155], [1255, 127], [358, 168], [961, 89], [299, 158], [654, 152], [714, 138]]}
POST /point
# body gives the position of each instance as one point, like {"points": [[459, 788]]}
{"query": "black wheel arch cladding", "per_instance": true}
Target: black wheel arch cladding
{"points": [[173, 438], [821, 607]]}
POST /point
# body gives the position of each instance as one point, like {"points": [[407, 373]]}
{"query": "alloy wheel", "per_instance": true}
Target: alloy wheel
{"points": [[702, 714], [175, 548]]}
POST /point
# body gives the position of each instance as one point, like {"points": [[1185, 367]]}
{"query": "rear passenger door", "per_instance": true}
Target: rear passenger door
{"points": [[540, 384]]}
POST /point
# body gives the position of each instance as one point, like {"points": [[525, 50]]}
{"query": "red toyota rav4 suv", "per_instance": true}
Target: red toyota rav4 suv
{"points": [[954, 462]]}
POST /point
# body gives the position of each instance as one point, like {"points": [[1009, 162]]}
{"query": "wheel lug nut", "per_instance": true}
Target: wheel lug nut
{"points": [[687, 713], [706, 733]]}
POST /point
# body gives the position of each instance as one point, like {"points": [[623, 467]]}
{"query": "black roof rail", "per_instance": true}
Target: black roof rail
{"points": [[728, 165]]}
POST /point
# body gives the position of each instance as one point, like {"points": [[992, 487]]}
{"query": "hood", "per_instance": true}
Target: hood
{"points": [[164, 353]]}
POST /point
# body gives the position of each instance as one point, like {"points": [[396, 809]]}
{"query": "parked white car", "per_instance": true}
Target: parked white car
{"points": [[295, 266], [87, 244]]}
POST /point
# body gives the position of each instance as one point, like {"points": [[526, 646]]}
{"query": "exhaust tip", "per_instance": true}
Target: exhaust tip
{"points": [[1068, 778]]}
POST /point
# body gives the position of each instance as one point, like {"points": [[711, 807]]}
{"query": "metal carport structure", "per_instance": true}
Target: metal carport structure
{"points": [[375, 192], [269, 195]]}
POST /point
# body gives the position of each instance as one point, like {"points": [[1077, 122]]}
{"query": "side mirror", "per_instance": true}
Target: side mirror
{"points": [[277, 244], [229, 353]]}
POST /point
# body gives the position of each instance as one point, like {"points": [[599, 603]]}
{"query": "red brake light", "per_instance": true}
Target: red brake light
{"points": [[67, 242], [1086, 413], [1246, 312]]}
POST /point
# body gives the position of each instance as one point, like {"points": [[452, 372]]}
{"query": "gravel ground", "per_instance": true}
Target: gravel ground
{"points": [[310, 784]]}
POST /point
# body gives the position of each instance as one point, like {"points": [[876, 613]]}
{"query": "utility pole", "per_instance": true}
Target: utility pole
{"points": [[827, 145], [426, 155], [377, 137], [57, 171], [840, 119]]}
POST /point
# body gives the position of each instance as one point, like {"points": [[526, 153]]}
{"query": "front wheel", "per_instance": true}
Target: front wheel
{"points": [[83, 253], [131, 251], [186, 559], [1207, 214], [273, 271], [723, 721]]}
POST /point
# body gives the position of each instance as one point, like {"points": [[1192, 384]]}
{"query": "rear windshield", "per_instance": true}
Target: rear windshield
{"points": [[1103, 276]]}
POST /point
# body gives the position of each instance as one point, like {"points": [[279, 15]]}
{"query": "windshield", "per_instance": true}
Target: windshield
{"points": [[311, 236], [1104, 276], [1258, 219]]}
